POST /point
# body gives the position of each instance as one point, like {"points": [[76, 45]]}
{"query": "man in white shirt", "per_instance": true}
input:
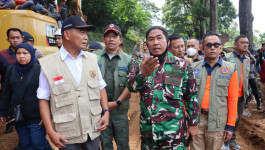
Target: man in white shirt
{"points": [[71, 80]]}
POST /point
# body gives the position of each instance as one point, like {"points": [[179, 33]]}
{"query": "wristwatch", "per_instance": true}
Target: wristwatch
{"points": [[141, 76], [118, 102]]}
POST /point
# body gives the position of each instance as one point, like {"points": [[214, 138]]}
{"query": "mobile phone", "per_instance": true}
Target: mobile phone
{"points": [[187, 141]]}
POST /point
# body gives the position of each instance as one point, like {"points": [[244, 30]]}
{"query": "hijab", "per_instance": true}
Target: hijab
{"points": [[22, 69]]}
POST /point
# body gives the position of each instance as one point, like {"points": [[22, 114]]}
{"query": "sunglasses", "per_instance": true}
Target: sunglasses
{"points": [[209, 45]]}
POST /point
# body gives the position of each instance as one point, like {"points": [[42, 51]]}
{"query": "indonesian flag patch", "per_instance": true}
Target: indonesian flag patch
{"points": [[58, 80]]}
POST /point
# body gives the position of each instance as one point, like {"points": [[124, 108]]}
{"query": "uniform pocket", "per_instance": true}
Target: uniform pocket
{"points": [[222, 87], [93, 89], [96, 115], [65, 125], [62, 95]]}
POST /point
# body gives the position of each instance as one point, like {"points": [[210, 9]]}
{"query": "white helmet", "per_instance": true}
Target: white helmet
{"points": [[58, 32]]}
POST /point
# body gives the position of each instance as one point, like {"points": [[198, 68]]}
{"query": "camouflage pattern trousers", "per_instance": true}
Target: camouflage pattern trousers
{"points": [[148, 143]]}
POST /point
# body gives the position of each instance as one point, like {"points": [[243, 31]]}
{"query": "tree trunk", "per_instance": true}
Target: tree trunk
{"points": [[246, 20], [213, 15], [203, 26]]}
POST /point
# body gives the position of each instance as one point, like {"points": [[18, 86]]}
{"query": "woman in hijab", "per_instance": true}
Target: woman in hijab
{"points": [[20, 86]]}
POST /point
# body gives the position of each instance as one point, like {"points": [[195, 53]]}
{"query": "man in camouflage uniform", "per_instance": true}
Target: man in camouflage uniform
{"points": [[163, 81]]}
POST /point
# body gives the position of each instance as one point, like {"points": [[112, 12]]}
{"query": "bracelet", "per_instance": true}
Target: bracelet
{"points": [[105, 110]]}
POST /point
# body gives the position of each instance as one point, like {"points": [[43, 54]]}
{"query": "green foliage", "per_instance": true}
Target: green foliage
{"points": [[188, 17], [226, 13], [232, 31], [124, 13]]}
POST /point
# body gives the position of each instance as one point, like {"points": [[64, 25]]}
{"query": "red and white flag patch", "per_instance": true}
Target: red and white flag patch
{"points": [[58, 80]]}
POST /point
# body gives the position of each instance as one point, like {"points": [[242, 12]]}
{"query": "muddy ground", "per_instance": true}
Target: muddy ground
{"points": [[250, 134]]}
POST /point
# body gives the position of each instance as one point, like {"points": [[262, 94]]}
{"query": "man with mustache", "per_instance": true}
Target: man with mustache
{"points": [[163, 80], [115, 67]]}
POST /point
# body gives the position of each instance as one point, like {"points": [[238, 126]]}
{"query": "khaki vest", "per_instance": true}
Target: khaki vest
{"points": [[217, 117], [246, 68], [120, 77], [75, 108]]}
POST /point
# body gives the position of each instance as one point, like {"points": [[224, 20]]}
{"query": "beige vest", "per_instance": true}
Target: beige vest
{"points": [[75, 108], [217, 117], [246, 68]]}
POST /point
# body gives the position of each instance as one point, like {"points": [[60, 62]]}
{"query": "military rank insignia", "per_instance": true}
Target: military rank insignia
{"points": [[92, 73], [224, 70]]}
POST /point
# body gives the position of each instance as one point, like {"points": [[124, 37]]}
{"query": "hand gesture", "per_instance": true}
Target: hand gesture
{"points": [[3, 120], [104, 121], [138, 41], [227, 135], [149, 66], [57, 139], [193, 131]]}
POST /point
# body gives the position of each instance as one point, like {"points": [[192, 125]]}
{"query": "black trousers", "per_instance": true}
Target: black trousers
{"points": [[255, 92]]}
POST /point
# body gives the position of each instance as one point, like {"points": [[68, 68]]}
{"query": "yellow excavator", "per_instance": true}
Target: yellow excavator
{"points": [[41, 27]]}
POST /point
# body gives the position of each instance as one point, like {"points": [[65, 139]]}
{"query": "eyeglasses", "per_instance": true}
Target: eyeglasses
{"points": [[209, 45]]}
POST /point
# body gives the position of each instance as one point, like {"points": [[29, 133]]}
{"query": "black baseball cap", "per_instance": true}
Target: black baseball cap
{"points": [[113, 27], [27, 37], [76, 21]]}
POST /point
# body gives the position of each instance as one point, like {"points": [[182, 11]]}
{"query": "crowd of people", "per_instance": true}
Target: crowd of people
{"points": [[191, 95]]}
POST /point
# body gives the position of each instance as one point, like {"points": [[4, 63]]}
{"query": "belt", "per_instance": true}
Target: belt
{"points": [[205, 111]]}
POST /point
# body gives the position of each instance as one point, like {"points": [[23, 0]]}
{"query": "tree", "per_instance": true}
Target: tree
{"points": [[213, 16], [191, 17], [246, 20], [125, 13]]}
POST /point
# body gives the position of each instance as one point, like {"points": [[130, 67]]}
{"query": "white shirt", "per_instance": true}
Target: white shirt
{"points": [[75, 67]]}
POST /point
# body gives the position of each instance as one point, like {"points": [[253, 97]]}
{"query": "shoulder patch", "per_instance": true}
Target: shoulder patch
{"points": [[247, 61], [196, 70], [224, 70]]}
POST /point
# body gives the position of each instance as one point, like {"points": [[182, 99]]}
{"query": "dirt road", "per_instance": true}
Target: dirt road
{"points": [[250, 136]]}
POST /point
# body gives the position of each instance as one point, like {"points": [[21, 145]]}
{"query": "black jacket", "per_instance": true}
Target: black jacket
{"points": [[15, 87]]}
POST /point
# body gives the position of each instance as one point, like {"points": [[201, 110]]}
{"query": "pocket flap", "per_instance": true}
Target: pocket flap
{"points": [[96, 110], [64, 118], [93, 83], [66, 128], [60, 89], [223, 82], [122, 73]]}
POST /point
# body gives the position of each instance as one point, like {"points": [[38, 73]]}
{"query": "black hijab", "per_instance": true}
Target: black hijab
{"points": [[24, 68]]}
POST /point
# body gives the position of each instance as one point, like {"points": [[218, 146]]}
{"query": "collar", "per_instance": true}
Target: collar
{"points": [[220, 62], [64, 53], [236, 55], [105, 52], [9, 50]]}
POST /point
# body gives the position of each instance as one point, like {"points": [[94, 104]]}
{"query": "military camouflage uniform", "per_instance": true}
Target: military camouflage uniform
{"points": [[162, 120]]}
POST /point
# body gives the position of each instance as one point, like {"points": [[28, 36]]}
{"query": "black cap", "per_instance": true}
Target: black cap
{"points": [[78, 22], [113, 27], [27, 37]]}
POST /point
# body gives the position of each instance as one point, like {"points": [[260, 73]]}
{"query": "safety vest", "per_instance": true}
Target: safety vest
{"points": [[220, 79], [75, 108], [246, 68]]}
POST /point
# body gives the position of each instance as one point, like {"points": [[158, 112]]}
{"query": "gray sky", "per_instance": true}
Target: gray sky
{"points": [[257, 10]]}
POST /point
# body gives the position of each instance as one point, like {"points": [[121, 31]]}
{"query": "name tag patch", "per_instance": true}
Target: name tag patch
{"points": [[58, 80], [224, 76], [123, 68]]}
